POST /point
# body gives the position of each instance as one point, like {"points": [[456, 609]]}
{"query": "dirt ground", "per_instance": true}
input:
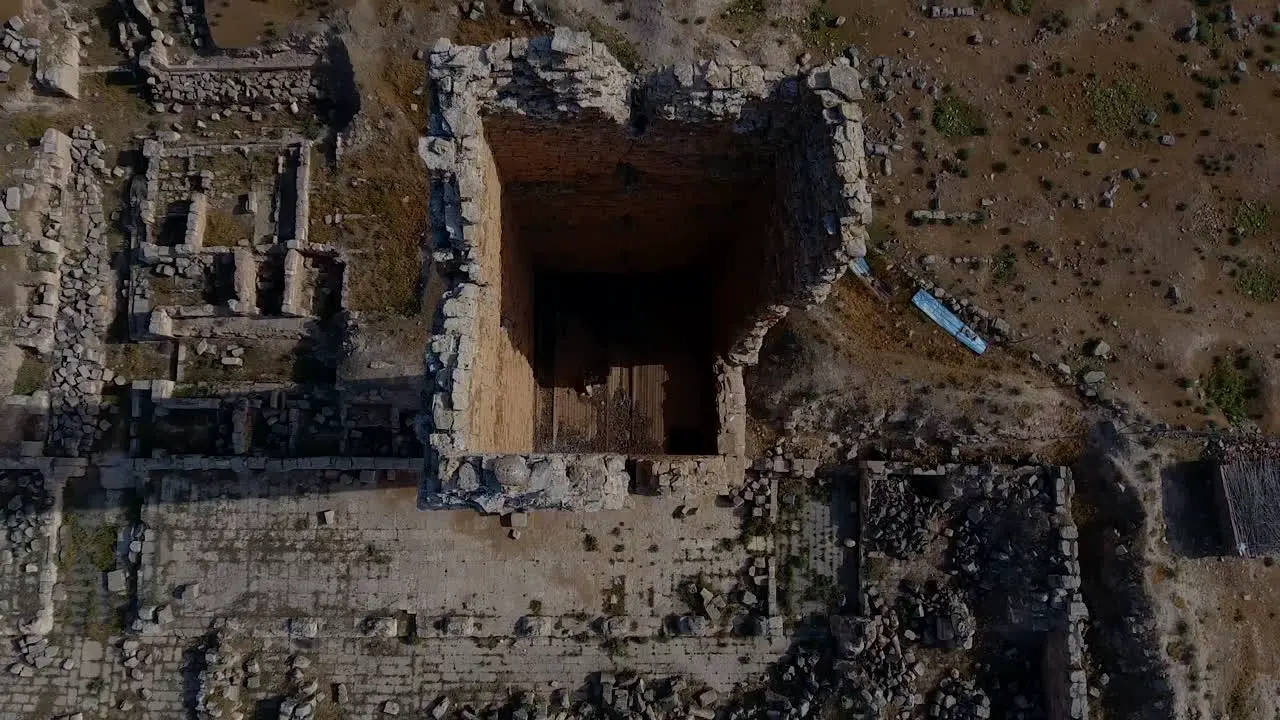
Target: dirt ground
{"points": [[1086, 274]]}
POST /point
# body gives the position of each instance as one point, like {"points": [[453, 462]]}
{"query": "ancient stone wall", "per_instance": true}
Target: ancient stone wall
{"points": [[805, 137], [284, 79]]}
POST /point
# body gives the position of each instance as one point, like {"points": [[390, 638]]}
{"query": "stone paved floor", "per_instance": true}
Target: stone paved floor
{"points": [[258, 546], [263, 555]]}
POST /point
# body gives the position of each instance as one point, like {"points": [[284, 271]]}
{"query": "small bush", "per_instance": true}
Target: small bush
{"points": [[1117, 107], [1018, 7], [744, 16], [1229, 387], [1004, 266], [590, 543], [817, 32], [1252, 218], [1258, 283], [624, 51], [953, 117]]}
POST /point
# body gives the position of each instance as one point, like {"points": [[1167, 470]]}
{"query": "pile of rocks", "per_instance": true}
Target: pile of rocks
{"points": [[505, 483], [136, 660], [937, 616], [692, 476], [899, 517], [24, 514], [220, 678], [754, 495], [17, 48], [187, 266], [77, 379], [304, 698], [959, 699], [36, 653]]}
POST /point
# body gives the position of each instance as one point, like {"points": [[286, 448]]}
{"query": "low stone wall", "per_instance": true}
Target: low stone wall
{"points": [[302, 200], [206, 321], [1065, 649], [292, 304], [290, 77], [45, 180], [245, 279]]}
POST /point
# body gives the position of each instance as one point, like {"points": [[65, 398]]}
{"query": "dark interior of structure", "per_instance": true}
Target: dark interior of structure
{"points": [[628, 263], [623, 363]]}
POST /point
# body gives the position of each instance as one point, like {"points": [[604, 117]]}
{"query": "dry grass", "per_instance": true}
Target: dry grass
{"points": [[222, 229], [137, 361], [386, 183], [19, 78], [31, 375], [403, 76], [164, 291], [276, 362], [492, 27], [237, 171]]}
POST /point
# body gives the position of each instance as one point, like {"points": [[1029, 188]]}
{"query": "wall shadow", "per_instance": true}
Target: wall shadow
{"points": [[1193, 527]]}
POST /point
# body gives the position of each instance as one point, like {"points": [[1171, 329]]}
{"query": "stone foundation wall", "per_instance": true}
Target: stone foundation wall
{"points": [[811, 120], [293, 77]]}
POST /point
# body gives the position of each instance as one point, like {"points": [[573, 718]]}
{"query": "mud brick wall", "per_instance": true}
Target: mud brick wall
{"points": [[503, 393]]}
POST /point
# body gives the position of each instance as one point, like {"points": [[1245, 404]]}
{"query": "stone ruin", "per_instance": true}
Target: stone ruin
{"points": [[617, 246]]}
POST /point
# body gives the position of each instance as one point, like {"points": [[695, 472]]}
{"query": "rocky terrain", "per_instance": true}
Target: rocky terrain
{"points": [[263, 325]]}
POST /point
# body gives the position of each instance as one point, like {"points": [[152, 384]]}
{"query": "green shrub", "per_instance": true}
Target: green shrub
{"points": [[1258, 283], [953, 117], [1117, 107], [1230, 386]]}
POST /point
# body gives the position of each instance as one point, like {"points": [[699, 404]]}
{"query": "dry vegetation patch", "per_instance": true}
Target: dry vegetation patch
{"points": [[385, 183], [222, 229]]}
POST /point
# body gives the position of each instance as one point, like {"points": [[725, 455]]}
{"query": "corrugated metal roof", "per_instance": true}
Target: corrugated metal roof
{"points": [[1252, 494]]}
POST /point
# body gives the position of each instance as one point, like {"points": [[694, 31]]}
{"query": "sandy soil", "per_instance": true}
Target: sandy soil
{"points": [[1094, 273]]}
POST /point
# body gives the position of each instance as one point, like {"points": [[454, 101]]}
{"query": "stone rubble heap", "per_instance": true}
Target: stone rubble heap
{"points": [[279, 81], [899, 521], [221, 676], [35, 653], [959, 699], [503, 483], [25, 511], [619, 695], [137, 661], [79, 374], [18, 49], [938, 617], [305, 696], [27, 522], [46, 181]]}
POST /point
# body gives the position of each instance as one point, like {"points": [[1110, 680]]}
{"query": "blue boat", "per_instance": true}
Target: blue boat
{"points": [[947, 320]]}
